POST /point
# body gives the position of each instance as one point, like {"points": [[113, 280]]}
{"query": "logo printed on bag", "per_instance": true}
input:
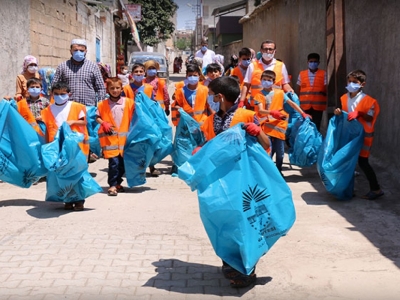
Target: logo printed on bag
{"points": [[4, 163], [68, 192], [29, 177], [256, 211]]}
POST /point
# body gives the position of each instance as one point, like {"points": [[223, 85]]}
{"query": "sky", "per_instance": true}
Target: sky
{"points": [[185, 15]]}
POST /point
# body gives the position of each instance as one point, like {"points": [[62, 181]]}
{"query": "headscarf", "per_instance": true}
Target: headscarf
{"points": [[29, 59], [106, 68], [151, 63]]}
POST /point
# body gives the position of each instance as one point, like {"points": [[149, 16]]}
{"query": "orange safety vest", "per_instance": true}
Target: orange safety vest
{"points": [[256, 77], [52, 127], [313, 96], [259, 97], [26, 113], [113, 145], [241, 115], [369, 127], [129, 93], [236, 72], [271, 126], [159, 97], [199, 112]]}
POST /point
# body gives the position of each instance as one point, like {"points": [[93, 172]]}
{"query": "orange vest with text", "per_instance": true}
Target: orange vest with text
{"points": [[364, 106], [113, 145], [26, 113], [129, 93], [73, 115], [313, 96], [200, 110], [241, 115]]}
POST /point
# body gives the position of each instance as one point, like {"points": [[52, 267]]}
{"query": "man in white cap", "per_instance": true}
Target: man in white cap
{"points": [[82, 75]]}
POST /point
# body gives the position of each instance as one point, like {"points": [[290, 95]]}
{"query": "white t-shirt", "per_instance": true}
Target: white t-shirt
{"points": [[208, 57], [353, 102], [271, 66], [124, 78], [61, 112]]}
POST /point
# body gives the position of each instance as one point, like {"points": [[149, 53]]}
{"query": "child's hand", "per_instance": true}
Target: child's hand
{"points": [[304, 115], [70, 122], [252, 129], [241, 104], [354, 115], [39, 118], [337, 111], [276, 114], [107, 127]]}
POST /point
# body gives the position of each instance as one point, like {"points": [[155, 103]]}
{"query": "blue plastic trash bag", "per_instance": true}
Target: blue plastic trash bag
{"points": [[338, 156], [155, 111], [245, 205], [293, 114], [187, 137], [21, 162], [93, 128], [68, 179], [305, 142], [141, 143]]}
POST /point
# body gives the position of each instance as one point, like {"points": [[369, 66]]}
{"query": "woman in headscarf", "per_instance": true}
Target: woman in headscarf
{"points": [[105, 70], [29, 70]]}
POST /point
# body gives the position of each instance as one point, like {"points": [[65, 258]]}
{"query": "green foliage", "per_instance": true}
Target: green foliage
{"points": [[183, 44], [155, 25]]}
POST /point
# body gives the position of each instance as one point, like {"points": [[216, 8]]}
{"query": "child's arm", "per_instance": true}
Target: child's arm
{"points": [[264, 141], [80, 122], [297, 108]]}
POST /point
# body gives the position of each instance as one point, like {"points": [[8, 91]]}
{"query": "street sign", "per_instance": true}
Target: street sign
{"points": [[135, 10]]}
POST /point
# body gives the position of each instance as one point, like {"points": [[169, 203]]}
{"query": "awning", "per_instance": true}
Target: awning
{"points": [[223, 10]]}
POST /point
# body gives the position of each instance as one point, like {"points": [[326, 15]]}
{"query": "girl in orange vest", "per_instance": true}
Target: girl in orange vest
{"points": [[138, 85], [75, 115], [364, 109], [114, 116], [226, 91]]}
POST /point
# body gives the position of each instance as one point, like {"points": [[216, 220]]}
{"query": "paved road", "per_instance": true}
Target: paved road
{"points": [[149, 243]]}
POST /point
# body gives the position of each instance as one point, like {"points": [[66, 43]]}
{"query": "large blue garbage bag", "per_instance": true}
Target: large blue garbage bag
{"points": [[68, 179], [142, 141], [187, 137], [93, 128], [20, 157], [154, 110], [245, 205], [293, 114], [47, 75], [338, 156], [305, 142]]}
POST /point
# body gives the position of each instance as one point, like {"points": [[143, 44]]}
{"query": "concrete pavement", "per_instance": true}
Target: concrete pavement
{"points": [[149, 243]]}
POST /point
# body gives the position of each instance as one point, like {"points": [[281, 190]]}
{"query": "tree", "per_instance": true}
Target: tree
{"points": [[155, 25], [183, 43]]}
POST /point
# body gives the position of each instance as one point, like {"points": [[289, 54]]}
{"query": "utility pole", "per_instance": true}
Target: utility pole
{"points": [[196, 9]]}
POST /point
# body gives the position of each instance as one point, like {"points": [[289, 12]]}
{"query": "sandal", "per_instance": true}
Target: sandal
{"points": [[242, 280], [373, 195], [229, 272], [120, 189], [112, 191]]}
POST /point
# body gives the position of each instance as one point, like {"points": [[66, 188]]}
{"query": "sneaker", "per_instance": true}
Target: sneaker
{"points": [[78, 206], [372, 195], [154, 172], [68, 206]]}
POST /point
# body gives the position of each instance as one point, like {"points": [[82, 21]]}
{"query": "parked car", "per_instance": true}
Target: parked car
{"points": [[142, 57]]}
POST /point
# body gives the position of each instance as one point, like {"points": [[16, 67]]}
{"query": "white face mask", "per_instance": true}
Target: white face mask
{"points": [[124, 72], [268, 56], [32, 69]]}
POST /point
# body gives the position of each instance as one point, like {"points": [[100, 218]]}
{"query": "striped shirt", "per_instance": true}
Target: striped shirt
{"points": [[84, 79], [223, 123], [36, 106]]}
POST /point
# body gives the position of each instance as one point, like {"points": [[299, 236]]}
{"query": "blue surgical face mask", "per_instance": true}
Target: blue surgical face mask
{"points": [[138, 78], [353, 87], [246, 63], [34, 92], [61, 99], [193, 79], [214, 105], [266, 84], [313, 65], [152, 72], [204, 48], [78, 55]]}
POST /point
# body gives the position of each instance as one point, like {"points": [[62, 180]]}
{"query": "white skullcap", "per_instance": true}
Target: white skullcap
{"points": [[78, 42]]}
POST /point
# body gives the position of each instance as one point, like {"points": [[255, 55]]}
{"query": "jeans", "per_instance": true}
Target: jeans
{"points": [[116, 169], [369, 173], [278, 147]]}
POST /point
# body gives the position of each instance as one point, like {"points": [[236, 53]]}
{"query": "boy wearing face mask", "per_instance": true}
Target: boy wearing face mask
{"points": [[267, 62], [364, 109], [36, 102], [124, 76], [312, 89], [192, 97], [269, 107], [138, 84], [63, 110], [29, 70], [244, 61]]}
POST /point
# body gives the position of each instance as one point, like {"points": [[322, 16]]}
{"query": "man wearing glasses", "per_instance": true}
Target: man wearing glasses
{"points": [[252, 80]]}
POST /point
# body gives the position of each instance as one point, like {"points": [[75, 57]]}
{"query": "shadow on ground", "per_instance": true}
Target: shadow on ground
{"points": [[192, 278]]}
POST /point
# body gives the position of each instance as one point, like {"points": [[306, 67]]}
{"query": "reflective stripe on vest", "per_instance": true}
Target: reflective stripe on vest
{"points": [[113, 147], [279, 129]]}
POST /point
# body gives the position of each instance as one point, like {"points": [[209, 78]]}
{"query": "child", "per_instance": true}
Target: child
{"points": [[160, 89], [29, 70], [212, 71], [244, 62], [312, 89], [125, 76], [226, 91], [36, 102], [268, 104], [191, 97], [138, 72], [365, 109], [114, 116], [75, 115]]}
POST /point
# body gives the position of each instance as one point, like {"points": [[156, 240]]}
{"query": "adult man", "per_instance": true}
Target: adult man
{"points": [[204, 53], [83, 76], [267, 62]]}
